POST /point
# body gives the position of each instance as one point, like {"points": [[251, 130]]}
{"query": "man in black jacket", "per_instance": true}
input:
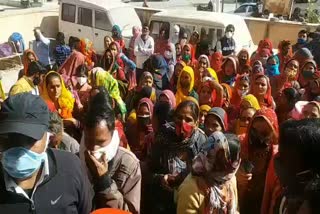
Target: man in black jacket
{"points": [[34, 179]]}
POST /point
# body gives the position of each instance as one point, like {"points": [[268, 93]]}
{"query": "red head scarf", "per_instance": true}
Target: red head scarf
{"points": [[236, 98], [268, 99], [213, 94], [271, 118], [266, 43], [216, 61], [26, 60]]}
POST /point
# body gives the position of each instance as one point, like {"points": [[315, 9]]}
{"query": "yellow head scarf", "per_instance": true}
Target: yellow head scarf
{"points": [[213, 74], [252, 100], [179, 95], [2, 94], [205, 108], [66, 100]]}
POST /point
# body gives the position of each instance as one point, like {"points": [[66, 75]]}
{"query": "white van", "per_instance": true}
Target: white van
{"points": [[213, 24], [93, 19]]}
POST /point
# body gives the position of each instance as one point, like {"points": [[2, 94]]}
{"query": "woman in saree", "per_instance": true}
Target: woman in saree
{"points": [[185, 85], [128, 66], [261, 89], [212, 187], [258, 150]]}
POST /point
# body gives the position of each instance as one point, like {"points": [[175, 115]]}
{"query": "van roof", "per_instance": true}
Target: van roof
{"points": [[98, 4], [202, 16]]}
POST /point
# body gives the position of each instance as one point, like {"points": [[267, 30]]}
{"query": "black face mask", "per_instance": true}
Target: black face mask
{"points": [[258, 141], [36, 81], [143, 121]]}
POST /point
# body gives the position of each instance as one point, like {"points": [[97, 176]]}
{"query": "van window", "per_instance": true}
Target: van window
{"points": [[102, 21], [156, 26], [189, 29], [68, 12], [85, 17]]}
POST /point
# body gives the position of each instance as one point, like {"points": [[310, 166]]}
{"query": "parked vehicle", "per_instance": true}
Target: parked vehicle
{"points": [[93, 19], [246, 9], [211, 23]]}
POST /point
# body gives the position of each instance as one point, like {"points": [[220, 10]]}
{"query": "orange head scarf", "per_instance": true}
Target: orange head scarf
{"points": [[26, 60]]}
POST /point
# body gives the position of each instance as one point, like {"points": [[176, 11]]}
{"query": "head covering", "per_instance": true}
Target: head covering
{"points": [[296, 113], [113, 66], [302, 55], [24, 114], [159, 69], [264, 44], [222, 116], [145, 75], [100, 77], [26, 61], [66, 100], [268, 99], [218, 146], [172, 48], [229, 79], [86, 48], [69, 68], [204, 57], [271, 118], [179, 95], [247, 53], [205, 108], [227, 88], [117, 46], [273, 70], [170, 95], [252, 100], [236, 98], [136, 31], [213, 74], [216, 61], [116, 28], [149, 104], [212, 99]]}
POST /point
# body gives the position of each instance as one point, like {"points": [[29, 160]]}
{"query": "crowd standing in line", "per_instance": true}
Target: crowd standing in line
{"points": [[164, 125]]}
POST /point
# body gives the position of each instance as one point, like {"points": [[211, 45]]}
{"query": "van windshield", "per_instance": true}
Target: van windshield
{"points": [[125, 17]]}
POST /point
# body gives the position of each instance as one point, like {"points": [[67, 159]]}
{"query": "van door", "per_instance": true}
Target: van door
{"points": [[84, 23], [67, 21], [102, 28]]}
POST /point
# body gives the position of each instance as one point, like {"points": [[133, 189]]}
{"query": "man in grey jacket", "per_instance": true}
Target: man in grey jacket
{"points": [[114, 171]]}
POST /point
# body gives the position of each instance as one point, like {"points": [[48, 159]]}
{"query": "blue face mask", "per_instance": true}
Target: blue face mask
{"points": [[302, 41], [273, 70], [21, 163]]}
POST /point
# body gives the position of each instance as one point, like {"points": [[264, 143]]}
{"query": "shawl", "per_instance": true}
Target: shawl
{"points": [[66, 100]]}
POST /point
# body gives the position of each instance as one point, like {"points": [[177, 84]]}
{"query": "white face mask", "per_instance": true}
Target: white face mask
{"points": [[229, 35], [243, 93], [205, 79], [82, 80], [110, 150], [168, 54]]}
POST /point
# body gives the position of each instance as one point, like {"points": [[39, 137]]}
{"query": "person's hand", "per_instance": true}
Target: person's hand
{"points": [[166, 180], [243, 178], [96, 167]]}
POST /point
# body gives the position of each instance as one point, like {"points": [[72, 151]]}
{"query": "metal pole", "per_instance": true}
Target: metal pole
{"points": [[222, 6], [236, 4]]}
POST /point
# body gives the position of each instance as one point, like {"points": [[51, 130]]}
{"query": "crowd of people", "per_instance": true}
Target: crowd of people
{"points": [[163, 125]]}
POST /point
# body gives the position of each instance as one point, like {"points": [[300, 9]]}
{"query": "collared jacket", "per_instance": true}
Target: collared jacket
{"points": [[121, 187], [66, 189]]}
